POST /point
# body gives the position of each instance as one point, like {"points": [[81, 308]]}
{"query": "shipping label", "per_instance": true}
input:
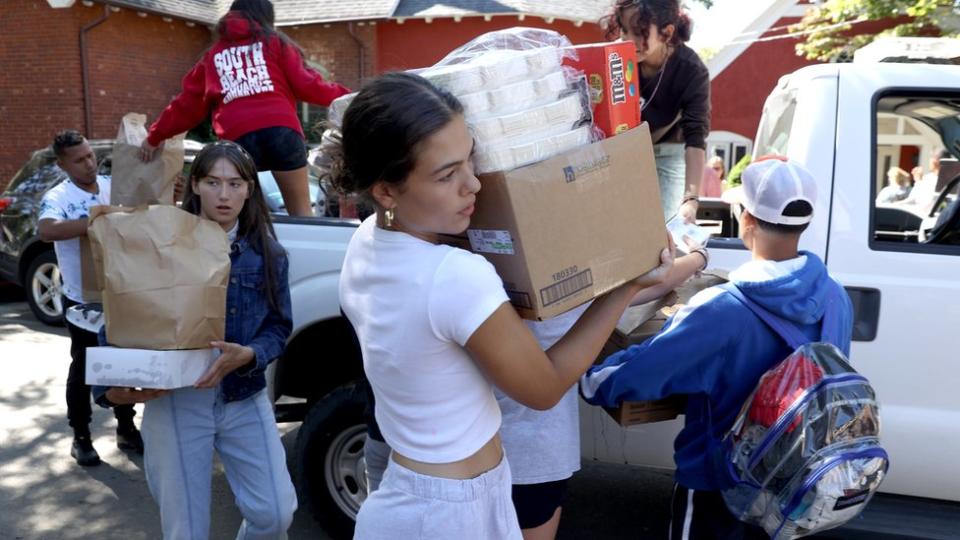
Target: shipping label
{"points": [[490, 241]]}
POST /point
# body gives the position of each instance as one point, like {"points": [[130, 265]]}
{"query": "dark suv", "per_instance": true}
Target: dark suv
{"points": [[24, 258]]}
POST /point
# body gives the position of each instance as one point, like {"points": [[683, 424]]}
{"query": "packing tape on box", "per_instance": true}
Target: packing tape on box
{"points": [[606, 267]]}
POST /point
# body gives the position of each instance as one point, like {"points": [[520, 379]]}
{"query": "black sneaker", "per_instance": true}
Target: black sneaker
{"points": [[82, 450], [129, 438]]}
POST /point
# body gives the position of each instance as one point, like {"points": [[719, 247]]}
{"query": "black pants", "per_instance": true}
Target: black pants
{"points": [[702, 515], [79, 411]]}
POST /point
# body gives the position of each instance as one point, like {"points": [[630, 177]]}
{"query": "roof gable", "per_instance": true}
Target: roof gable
{"points": [[291, 12], [577, 10], [203, 11]]}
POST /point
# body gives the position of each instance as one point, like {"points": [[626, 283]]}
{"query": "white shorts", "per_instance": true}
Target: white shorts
{"points": [[411, 505]]}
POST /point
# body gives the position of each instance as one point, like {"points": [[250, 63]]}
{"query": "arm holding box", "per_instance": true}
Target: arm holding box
{"points": [[252, 358], [511, 357], [681, 360], [683, 268]]}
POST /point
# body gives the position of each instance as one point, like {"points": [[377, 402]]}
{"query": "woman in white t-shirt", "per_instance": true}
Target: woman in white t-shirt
{"points": [[435, 327]]}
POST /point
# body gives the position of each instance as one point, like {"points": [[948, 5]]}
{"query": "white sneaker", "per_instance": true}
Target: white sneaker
{"points": [[88, 317]]}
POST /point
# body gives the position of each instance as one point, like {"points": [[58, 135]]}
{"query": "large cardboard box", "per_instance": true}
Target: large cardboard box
{"points": [[611, 70], [566, 230], [144, 368]]}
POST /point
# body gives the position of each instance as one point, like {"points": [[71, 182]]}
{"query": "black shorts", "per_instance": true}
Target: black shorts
{"points": [[536, 503], [275, 148]]}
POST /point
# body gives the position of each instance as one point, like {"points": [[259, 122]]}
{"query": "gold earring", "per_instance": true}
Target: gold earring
{"points": [[388, 218]]}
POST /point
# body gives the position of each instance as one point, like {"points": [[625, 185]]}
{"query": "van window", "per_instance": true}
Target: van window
{"points": [[915, 175]]}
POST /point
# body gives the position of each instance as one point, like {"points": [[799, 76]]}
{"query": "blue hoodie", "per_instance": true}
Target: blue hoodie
{"points": [[715, 350]]}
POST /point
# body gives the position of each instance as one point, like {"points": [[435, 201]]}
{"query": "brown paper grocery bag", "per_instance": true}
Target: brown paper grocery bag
{"points": [[165, 276], [91, 280], [135, 182]]}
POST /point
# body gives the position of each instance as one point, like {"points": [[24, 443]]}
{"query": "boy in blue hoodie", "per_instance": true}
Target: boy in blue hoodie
{"points": [[715, 349]]}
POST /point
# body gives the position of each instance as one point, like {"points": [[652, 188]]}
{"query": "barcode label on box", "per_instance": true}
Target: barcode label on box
{"points": [[568, 287], [487, 241]]}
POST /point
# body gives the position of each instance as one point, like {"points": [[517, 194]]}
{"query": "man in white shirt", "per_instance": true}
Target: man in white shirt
{"points": [[63, 221], [924, 194]]}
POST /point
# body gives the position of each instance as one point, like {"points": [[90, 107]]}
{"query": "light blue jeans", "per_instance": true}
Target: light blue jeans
{"points": [[182, 429], [671, 171]]}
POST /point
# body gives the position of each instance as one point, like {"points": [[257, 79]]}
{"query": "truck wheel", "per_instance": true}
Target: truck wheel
{"points": [[45, 289], [330, 467]]}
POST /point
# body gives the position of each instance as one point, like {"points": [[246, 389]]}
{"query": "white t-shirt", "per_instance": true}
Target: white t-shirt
{"points": [[414, 305], [66, 201], [543, 446]]}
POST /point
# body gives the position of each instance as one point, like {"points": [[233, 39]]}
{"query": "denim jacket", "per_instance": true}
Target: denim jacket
{"points": [[250, 321]]}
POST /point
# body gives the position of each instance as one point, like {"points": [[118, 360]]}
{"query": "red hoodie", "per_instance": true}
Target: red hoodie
{"points": [[249, 83]]}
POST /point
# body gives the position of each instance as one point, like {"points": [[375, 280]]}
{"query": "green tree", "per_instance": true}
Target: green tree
{"points": [[733, 179], [831, 33]]}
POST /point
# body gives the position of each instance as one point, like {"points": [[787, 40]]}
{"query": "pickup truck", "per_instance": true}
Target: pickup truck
{"points": [[848, 124]]}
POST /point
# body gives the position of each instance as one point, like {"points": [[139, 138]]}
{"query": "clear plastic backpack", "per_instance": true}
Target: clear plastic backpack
{"points": [[805, 450]]}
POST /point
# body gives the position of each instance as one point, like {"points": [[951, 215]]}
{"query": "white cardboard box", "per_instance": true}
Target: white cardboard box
{"points": [[143, 368]]}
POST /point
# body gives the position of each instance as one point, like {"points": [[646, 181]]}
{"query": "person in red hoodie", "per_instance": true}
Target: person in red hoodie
{"points": [[250, 80]]}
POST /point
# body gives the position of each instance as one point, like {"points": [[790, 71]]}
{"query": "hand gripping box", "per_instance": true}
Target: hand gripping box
{"points": [[568, 229], [640, 323], [611, 70]]}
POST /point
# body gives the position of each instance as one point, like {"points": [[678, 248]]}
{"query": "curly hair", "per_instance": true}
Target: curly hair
{"points": [[660, 13]]}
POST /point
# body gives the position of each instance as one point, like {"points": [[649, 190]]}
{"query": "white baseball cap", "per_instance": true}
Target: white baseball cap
{"points": [[770, 184]]}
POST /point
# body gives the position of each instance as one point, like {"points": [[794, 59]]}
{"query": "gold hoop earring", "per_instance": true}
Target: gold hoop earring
{"points": [[388, 218]]}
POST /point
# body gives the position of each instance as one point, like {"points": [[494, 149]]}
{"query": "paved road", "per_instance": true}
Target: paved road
{"points": [[44, 495]]}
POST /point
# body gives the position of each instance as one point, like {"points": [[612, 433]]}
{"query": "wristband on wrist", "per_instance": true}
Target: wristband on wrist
{"points": [[706, 257], [688, 199]]}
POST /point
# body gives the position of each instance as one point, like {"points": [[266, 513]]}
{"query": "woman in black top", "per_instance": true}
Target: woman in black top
{"points": [[675, 95]]}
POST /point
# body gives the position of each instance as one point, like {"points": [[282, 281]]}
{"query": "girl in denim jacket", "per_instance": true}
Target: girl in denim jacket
{"points": [[227, 409]]}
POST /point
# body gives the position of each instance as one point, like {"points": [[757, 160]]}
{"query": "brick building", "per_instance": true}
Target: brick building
{"points": [[83, 64]]}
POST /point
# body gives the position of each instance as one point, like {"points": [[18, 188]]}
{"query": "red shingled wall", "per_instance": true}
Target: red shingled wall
{"points": [[416, 43], [135, 64]]}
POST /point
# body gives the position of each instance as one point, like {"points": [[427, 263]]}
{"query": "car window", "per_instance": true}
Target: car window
{"points": [[37, 176], [773, 134], [915, 175], [271, 192]]}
